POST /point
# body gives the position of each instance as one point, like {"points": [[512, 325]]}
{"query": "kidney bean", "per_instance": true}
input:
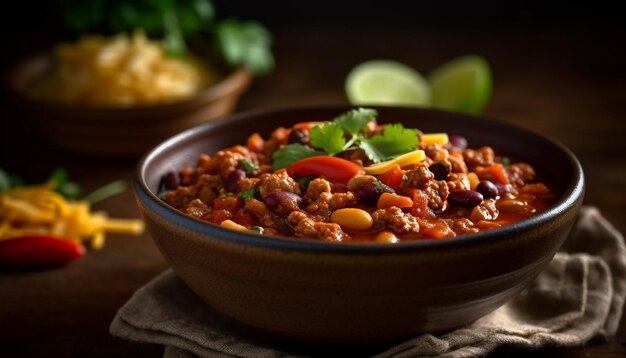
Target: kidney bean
{"points": [[504, 188], [488, 189], [170, 180], [370, 193], [464, 198], [457, 141], [233, 179], [440, 171], [299, 135], [285, 199]]}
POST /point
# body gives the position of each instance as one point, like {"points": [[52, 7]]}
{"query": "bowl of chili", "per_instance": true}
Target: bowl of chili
{"points": [[386, 238]]}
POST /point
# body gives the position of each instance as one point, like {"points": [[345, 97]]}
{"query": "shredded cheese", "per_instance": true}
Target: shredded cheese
{"points": [[39, 210], [403, 160]]}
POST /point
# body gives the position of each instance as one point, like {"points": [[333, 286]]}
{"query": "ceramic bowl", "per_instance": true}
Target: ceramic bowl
{"points": [[358, 293], [119, 132]]}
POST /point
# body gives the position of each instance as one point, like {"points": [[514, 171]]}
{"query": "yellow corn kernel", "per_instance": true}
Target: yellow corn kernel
{"points": [[352, 219], [435, 138], [473, 180], [403, 160], [386, 237], [233, 225]]}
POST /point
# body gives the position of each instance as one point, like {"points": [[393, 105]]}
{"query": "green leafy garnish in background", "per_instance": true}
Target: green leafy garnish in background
{"points": [[178, 23], [68, 189]]}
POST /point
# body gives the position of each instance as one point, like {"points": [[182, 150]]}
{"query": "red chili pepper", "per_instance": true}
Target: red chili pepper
{"points": [[333, 168], [39, 250], [393, 177]]}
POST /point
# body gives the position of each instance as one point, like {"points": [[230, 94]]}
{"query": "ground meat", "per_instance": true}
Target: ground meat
{"points": [[315, 189], [435, 152], [263, 214], [180, 197], [305, 226], [462, 226], [484, 211], [483, 156], [247, 184], [277, 138], [208, 187], [457, 165], [417, 178], [395, 219], [188, 175], [326, 203], [198, 209], [520, 174], [321, 205], [227, 160], [458, 181], [342, 200], [279, 181], [437, 192]]}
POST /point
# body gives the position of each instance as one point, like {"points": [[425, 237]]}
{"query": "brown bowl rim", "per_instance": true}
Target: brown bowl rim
{"points": [[572, 195]]}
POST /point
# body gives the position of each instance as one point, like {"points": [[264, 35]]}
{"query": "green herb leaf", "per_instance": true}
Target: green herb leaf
{"points": [[355, 120], [64, 186], [248, 167], [5, 182], [245, 44], [109, 190], [329, 137], [247, 194], [292, 153], [305, 180], [224, 196], [393, 141]]}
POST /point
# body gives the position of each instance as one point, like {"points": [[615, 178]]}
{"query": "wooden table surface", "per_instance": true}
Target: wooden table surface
{"points": [[569, 84]]}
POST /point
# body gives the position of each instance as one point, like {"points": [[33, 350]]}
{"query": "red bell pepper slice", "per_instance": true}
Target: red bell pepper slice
{"points": [[38, 251], [333, 168]]}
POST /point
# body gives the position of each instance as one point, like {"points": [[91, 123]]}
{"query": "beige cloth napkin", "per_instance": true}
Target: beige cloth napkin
{"points": [[580, 296]]}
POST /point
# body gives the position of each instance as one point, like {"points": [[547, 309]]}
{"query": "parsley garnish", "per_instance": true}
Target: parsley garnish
{"points": [[248, 167], [344, 133], [292, 153], [329, 137], [247, 194], [355, 120], [179, 24], [224, 196], [392, 142]]}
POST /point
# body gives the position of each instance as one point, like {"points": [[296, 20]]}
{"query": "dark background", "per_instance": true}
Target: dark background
{"points": [[559, 69]]}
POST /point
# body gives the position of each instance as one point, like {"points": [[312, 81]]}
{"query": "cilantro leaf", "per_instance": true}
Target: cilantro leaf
{"points": [[245, 44], [329, 137], [355, 120], [247, 194], [292, 153], [393, 141], [248, 167]]}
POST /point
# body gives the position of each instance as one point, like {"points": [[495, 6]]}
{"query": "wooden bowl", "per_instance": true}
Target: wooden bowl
{"points": [[119, 132], [356, 293]]}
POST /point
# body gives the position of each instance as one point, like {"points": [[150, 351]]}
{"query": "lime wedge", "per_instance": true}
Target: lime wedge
{"points": [[463, 84], [386, 82]]}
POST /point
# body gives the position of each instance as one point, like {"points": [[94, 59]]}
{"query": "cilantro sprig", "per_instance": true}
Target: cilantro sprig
{"points": [[346, 132], [180, 24]]}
